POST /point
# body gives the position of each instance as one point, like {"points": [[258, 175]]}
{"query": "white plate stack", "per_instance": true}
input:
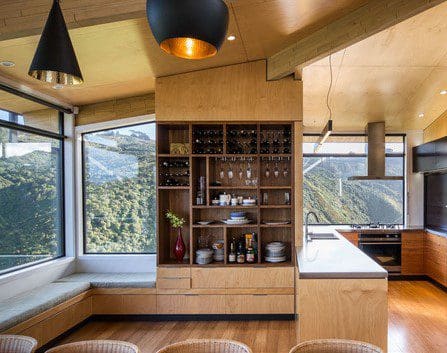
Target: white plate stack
{"points": [[204, 256], [275, 252]]}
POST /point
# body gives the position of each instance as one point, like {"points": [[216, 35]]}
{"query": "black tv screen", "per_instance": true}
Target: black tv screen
{"points": [[436, 202]]}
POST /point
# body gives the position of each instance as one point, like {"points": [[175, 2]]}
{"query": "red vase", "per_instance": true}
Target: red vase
{"points": [[179, 248]]}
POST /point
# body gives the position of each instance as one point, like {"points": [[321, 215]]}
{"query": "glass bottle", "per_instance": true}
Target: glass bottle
{"points": [[232, 255], [240, 253]]}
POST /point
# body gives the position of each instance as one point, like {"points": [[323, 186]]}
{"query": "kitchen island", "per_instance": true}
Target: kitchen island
{"points": [[341, 293]]}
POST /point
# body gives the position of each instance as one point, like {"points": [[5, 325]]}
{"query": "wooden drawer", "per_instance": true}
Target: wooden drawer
{"points": [[135, 304], [173, 272], [260, 304], [413, 253], [191, 304], [250, 277], [261, 277], [173, 283], [107, 304], [209, 277], [435, 257]]}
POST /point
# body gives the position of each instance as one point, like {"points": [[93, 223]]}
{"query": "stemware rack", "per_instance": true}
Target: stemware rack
{"points": [[244, 160]]}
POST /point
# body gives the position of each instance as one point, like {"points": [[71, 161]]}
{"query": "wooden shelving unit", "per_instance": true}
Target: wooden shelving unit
{"points": [[234, 147]]}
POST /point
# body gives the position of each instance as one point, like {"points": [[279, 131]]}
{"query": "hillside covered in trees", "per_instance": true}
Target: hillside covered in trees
{"points": [[336, 200]]}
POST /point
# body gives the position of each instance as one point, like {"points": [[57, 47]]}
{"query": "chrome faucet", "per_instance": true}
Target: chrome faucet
{"points": [[306, 228]]}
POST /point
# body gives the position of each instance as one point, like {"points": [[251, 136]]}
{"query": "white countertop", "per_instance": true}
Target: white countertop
{"points": [[336, 259]]}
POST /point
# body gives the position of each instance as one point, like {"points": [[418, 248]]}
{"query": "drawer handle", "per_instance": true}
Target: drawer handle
{"points": [[191, 295], [260, 295], [259, 266], [173, 277]]}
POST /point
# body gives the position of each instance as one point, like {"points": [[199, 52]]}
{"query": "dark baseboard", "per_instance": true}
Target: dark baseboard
{"points": [[200, 317]]}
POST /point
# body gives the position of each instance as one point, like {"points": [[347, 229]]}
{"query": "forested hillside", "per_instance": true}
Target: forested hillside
{"points": [[120, 192], [337, 200]]}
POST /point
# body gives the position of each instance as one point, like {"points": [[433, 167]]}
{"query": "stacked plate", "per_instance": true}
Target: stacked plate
{"points": [[219, 254], [204, 256], [275, 252], [237, 218]]}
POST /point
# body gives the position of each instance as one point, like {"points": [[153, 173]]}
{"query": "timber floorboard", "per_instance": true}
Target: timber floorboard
{"points": [[417, 324]]}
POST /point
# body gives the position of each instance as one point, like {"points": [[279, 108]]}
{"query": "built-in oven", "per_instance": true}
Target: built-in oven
{"points": [[385, 249]]}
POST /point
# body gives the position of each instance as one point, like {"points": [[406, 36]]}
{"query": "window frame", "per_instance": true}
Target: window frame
{"points": [[60, 183], [83, 190], [363, 155]]}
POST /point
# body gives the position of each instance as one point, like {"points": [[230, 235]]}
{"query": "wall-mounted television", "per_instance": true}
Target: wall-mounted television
{"points": [[436, 202]]}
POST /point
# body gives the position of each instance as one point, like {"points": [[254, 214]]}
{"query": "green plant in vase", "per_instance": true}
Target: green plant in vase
{"points": [[177, 223]]}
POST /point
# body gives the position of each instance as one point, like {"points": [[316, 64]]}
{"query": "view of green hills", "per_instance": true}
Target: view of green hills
{"points": [[336, 200], [120, 194]]}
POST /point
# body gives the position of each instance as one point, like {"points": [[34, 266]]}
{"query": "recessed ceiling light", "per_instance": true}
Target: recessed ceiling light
{"points": [[421, 115], [231, 38], [7, 63], [58, 87], [443, 92]]}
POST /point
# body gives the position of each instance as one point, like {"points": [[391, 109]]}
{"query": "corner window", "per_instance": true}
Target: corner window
{"points": [[31, 187], [119, 173], [339, 201]]}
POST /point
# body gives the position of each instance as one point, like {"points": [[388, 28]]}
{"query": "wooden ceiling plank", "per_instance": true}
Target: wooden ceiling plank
{"points": [[22, 21], [367, 20]]}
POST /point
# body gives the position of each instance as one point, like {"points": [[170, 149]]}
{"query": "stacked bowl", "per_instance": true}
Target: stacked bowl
{"points": [[204, 256], [275, 252]]}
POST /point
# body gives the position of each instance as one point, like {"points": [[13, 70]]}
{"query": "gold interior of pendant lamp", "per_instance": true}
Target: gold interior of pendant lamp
{"points": [[54, 77], [188, 48]]}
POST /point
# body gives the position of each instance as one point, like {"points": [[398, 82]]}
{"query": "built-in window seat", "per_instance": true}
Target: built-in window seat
{"points": [[48, 311]]}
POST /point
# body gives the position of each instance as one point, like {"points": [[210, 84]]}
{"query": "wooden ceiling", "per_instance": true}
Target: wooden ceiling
{"points": [[393, 76], [122, 59]]}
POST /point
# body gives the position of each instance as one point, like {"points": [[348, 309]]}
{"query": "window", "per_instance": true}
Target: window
{"points": [[31, 192], [337, 200], [119, 190]]}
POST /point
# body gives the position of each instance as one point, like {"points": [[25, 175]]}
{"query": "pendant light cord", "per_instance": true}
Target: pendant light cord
{"points": [[330, 88]]}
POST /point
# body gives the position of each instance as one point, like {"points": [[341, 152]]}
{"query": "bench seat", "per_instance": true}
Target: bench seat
{"points": [[26, 305], [114, 280]]}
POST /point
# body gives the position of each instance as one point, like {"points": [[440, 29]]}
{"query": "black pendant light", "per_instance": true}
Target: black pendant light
{"points": [[55, 60], [190, 29]]}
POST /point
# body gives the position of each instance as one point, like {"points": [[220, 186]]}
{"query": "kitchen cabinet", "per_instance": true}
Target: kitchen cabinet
{"points": [[353, 237], [435, 257], [413, 253]]}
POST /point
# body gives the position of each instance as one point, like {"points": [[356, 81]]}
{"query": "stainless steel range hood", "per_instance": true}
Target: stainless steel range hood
{"points": [[376, 154]]}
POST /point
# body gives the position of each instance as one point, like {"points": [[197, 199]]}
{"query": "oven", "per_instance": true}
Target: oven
{"points": [[385, 249]]}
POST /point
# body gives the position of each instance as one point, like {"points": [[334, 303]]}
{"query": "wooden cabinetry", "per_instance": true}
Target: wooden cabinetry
{"points": [[413, 253], [435, 257], [245, 160], [352, 237]]}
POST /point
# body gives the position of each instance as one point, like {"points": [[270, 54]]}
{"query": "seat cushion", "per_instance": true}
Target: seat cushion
{"points": [[26, 305], [114, 280]]}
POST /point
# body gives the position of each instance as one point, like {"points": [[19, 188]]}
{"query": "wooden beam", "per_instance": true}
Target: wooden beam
{"points": [[24, 18], [373, 17]]}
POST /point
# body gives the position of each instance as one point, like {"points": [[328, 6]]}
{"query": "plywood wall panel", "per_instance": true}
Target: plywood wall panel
{"points": [[436, 129], [236, 92]]}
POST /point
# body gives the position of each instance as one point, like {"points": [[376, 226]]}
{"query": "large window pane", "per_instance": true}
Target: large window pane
{"points": [[119, 190], [337, 200], [30, 199]]}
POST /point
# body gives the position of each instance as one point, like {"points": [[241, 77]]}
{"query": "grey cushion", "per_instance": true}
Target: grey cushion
{"points": [[26, 305], [114, 280]]}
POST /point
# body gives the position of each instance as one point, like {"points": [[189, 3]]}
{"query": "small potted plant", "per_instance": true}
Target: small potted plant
{"points": [[177, 223]]}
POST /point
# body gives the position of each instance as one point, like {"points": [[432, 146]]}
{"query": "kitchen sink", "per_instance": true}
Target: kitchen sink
{"points": [[323, 236]]}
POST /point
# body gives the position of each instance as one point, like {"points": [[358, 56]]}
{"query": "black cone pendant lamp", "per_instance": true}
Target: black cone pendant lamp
{"points": [[189, 29], [55, 60]]}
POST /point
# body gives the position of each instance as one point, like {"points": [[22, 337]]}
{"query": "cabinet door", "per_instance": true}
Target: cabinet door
{"points": [[435, 257], [260, 304], [261, 277], [173, 278], [209, 277], [352, 237], [190, 304], [413, 253]]}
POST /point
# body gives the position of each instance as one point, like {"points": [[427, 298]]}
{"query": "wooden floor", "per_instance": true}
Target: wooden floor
{"points": [[418, 324]]}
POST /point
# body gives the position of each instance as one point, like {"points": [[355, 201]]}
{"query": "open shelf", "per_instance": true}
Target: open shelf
{"points": [[233, 155]]}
